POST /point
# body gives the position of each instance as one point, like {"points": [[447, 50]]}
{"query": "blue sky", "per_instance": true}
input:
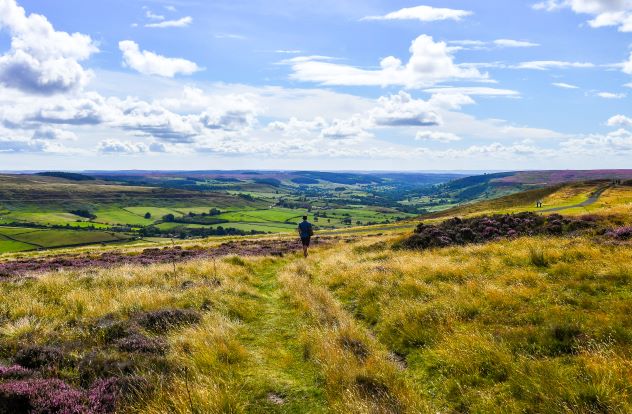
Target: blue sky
{"points": [[391, 85]]}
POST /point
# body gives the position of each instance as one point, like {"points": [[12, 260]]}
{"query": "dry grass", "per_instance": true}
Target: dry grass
{"points": [[537, 324]]}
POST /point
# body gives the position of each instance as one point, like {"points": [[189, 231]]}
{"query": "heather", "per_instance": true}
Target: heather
{"points": [[457, 231]]}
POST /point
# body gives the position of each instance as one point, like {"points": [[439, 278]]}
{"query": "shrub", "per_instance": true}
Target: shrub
{"points": [[36, 356], [142, 344], [14, 372], [458, 231], [162, 320], [621, 233], [41, 396]]}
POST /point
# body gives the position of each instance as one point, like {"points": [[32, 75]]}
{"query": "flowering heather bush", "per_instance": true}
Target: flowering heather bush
{"points": [[105, 395], [458, 231], [41, 396], [14, 372], [621, 233], [140, 343], [35, 356], [162, 320]]}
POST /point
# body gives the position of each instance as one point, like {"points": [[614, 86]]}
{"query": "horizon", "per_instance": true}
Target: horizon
{"points": [[516, 86]]}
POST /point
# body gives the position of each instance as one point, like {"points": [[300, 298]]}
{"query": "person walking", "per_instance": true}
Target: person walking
{"points": [[305, 232]]}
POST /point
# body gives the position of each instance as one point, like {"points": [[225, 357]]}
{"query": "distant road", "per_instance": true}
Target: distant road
{"points": [[589, 201]]}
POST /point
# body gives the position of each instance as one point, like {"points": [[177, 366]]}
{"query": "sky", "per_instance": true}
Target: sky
{"points": [[318, 85]]}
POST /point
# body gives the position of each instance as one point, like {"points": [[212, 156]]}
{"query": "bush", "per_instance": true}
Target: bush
{"points": [[41, 396], [35, 356], [162, 320], [458, 231]]}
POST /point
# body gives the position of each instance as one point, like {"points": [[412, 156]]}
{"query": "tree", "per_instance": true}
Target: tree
{"points": [[169, 218], [148, 215]]}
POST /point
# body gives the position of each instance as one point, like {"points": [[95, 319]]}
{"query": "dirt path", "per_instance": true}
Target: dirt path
{"points": [[589, 201]]}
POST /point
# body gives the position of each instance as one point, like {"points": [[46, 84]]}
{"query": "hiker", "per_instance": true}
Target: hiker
{"points": [[305, 231]]}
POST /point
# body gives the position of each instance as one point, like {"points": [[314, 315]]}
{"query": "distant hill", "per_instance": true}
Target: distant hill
{"points": [[67, 175]]}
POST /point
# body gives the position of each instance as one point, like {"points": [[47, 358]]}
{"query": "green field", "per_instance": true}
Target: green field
{"points": [[19, 239]]}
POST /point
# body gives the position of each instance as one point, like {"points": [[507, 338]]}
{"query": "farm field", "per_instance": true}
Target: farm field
{"points": [[18, 239]]}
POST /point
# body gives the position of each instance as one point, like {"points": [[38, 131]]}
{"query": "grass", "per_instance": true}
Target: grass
{"points": [[11, 246], [58, 238], [120, 216], [536, 324]]}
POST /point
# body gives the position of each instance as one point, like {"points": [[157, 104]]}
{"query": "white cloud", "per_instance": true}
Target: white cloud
{"points": [[403, 110], [627, 66], [628, 85], [41, 60], [430, 63], [514, 43], [153, 16], [295, 126], [183, 22], [113, 146], [564, 85], [615, 143], [423, 13], [474, 91], [438, 136], [496, 44], [345, 129], [46, 132], [552, 64], [150, 63], [233, 36], [620, 120], [605, 12], [288, 51], [611, 95]]}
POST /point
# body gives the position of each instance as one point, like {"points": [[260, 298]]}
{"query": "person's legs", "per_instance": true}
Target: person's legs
{"points": [[305, 242]]}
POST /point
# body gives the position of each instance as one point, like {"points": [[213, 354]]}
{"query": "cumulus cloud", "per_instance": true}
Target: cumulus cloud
{"points": [[620, 120], [41, 60], [345, 129], [183, 22], [113, 146], [150, 63], [423, 14], [46, 132], [430, 63], [403, 110], [615, 143], [564, 85], [438, 136], [605, 12]]}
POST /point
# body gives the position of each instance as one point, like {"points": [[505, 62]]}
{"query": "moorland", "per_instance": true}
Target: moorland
{"points": [[484, 305]]}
